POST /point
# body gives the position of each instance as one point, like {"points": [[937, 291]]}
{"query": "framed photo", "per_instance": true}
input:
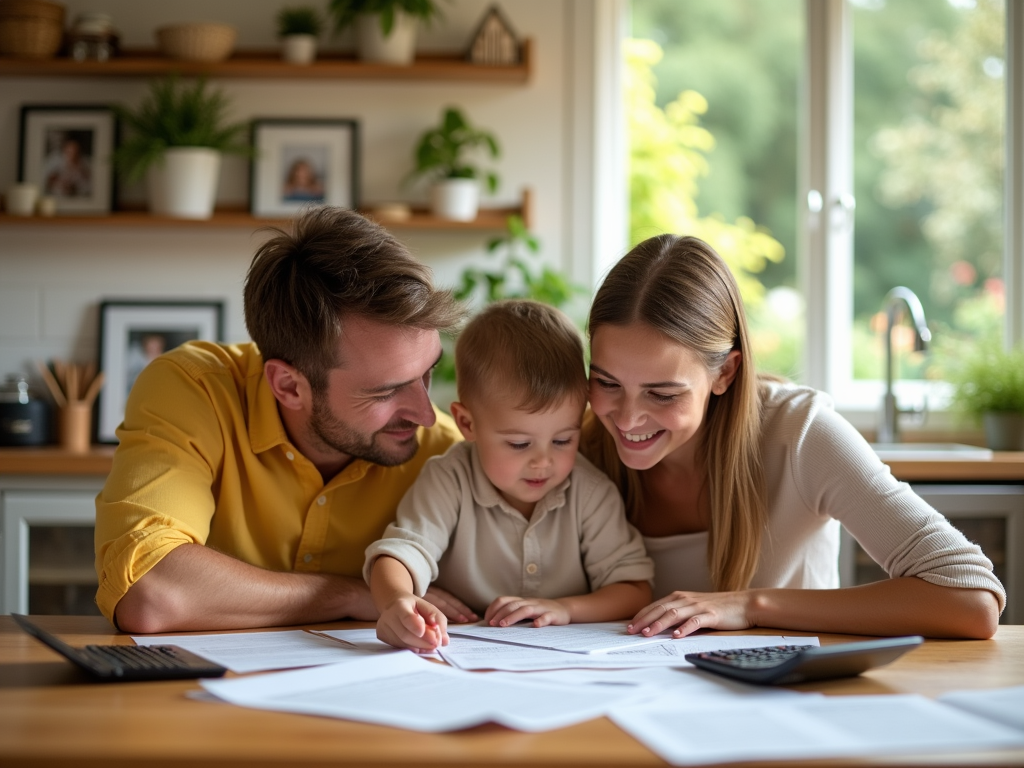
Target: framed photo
{"points": [[297, 163], [66, 152], [132, 333]]}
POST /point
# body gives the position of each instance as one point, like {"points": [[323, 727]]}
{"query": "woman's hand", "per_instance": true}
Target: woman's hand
{"points": [[506, 611], [690, 611]]}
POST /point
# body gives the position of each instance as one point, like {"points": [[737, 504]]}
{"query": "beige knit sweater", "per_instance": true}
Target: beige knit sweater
{"points": [[821, 473]]}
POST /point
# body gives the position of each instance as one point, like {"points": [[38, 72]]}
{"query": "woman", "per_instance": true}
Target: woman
{"points": [[739, 484]]}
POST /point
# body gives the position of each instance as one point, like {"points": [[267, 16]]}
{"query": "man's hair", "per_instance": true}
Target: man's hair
{"points": [[523, 351], [301, 286]]}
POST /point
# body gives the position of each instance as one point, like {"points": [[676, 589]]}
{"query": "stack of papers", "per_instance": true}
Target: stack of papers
{"points": [[557, 676]]}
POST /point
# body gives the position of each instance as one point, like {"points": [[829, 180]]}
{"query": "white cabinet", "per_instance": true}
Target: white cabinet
{"points": [[46, 559], [991, 515]]}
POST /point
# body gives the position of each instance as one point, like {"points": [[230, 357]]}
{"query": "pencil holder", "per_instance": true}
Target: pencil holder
{"points": [[76, 427]]}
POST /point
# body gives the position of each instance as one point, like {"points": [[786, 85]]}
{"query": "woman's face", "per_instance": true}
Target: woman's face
{"points": [[651, 393]]}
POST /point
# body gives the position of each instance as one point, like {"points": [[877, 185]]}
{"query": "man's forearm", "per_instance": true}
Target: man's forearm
{"points": [[196, 588]]}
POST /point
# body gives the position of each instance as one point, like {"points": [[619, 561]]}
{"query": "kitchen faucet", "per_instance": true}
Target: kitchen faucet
{"points": [[888, 429]]}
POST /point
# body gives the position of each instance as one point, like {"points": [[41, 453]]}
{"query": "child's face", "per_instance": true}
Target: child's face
{"points": [[523, 454]]}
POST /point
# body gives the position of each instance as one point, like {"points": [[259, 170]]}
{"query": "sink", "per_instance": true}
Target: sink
{"points": [[930, 452]]}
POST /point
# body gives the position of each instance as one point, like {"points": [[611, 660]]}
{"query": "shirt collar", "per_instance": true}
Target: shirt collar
{"points": [[486, 495]]}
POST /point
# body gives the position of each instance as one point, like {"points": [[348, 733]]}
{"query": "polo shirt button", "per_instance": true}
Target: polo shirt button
{"points": [[322, 500], [531, 568], [307, 558], [290, 455]]}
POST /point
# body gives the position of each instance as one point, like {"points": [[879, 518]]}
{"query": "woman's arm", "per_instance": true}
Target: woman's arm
{"points": [[900, 606]]}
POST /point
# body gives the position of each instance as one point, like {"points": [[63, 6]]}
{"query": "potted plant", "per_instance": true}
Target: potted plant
{"points": [[385, 29], [514, 272], [175, 139], [989, 387], [444, 156], [299, 29]]}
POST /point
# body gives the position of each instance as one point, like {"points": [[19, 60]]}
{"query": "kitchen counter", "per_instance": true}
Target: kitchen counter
{"points": [[51, 460]]}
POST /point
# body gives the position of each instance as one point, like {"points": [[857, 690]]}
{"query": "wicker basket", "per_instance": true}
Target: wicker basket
{"points": [[30, 28], [196, 42]]}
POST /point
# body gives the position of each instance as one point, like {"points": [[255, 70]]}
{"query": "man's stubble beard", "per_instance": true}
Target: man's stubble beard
{"points": [[335, 434]]}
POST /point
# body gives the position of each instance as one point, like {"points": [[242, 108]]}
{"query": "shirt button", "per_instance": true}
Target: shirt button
{"points": [[322, 500], [290, 455], [531, 568], [307, 558]]}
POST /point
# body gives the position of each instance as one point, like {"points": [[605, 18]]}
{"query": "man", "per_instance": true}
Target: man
{"points": [[250, 478]]}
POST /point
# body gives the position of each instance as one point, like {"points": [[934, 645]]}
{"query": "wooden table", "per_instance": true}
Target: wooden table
{"points": [[50, 715]]}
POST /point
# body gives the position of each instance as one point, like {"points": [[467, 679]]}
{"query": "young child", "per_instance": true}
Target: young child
{"points": [[511, 521]]}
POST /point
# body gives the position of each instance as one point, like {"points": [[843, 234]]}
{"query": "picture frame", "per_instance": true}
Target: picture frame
{"points": [[66, 151], [133, 332], [301, 162]]}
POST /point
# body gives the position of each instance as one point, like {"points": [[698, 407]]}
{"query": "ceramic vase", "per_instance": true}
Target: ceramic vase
{"points": [[455, 199], [298, 49], [1004, 431], [397, 48], [183, 184]]}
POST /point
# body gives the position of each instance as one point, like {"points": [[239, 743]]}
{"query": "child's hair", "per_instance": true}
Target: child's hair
{"points": [[523, 351]]}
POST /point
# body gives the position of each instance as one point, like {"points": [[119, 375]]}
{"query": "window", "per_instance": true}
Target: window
{"points": [[865, 136]]}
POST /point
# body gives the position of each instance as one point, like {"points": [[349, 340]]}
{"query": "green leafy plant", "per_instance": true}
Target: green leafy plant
{"points": [[174, 114], [515, 275], [345, 11], [989, 381], [299, 21], [444, 152]]}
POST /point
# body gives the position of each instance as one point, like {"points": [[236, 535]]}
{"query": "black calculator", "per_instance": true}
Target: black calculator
{"points": [[789, 664], [127, 662]]}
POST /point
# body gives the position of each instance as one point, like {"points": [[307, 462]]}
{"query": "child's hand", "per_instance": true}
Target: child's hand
{"points": [[453, 608], [411, 622], [506, 611]]}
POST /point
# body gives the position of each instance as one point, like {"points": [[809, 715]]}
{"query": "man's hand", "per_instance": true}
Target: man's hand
{"points": [[411, 622], [453, 608], [506, 611]]}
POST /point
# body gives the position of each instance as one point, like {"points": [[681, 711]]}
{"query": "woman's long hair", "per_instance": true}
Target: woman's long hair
{"points": [[680, 287]]}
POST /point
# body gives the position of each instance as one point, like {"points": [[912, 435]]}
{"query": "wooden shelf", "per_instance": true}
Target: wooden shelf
{"points": [[487, 220], [267, 64], [51, 460]]}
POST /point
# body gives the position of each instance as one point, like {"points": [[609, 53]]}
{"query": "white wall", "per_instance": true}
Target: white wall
{"points": [[52, 278]]}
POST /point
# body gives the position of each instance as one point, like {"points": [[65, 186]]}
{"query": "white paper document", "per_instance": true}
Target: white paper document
{"points": [[261, 651], [400, 690], [1004, 705], [472, 653], [600, 637], [688, 731]]}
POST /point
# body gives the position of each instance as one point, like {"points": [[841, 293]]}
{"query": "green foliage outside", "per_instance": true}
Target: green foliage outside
{"points": [[299, 21], [176, 114], [928, 143], [514, 271], [668, 158]]}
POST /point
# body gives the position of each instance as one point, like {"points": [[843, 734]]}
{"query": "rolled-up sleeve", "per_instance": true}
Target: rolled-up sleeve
{"points": [[612, 549], [158, 495], [427, 515]]}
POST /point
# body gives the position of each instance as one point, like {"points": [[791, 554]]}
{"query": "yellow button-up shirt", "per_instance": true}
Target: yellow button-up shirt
{"points": [[204, 459]]}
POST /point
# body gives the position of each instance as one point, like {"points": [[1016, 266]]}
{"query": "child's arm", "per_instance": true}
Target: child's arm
{"points": [[406, 621], [609, 603]]}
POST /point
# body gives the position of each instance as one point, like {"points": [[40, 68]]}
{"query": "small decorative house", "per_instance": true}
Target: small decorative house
{"points": [[494, 42]]}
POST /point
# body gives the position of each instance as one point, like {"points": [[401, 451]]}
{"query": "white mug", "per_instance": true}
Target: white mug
{"points": [[21, 199]]}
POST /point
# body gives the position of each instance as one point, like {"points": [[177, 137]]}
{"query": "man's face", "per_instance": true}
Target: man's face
{"points": [[379, 395]]}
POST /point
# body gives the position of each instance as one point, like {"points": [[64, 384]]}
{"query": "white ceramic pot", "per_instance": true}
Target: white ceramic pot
{"points": [[183, 183], [455, 199], [397, 48], [298, 49]]}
